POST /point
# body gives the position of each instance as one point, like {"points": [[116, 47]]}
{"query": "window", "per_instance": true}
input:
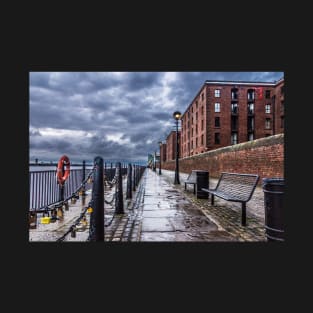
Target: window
{"points": [[250, 94], [250, 136], [196, 117], [234, 139], [267, 94], [234, 108], [250, 123], [202, 96], [217, 122], [196, 142], [196, 104], [191, 144], [202, 140], [217, 107], [268, 123], [191, 132], [217, 138], [268, 108], [202, 110], [282, 122], [217, 93], [234, 94], [250, 108], [234, 123], [201, 124], [282, 90]]}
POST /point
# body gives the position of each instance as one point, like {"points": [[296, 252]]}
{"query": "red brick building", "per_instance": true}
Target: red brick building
{"points": [[171, 146], [163, 152], [278, 100], [224, 113]]}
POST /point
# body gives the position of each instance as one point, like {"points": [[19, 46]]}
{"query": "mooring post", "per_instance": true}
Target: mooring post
{"points": [[129, 182], [119, 205], [96, 230]]}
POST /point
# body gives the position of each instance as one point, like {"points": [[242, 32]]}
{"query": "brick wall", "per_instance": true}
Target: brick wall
{"points": [[264, 157]]}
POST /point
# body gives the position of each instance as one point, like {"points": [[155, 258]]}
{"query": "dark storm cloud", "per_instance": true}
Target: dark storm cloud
{"points": [[114, 115], [135, 81]]}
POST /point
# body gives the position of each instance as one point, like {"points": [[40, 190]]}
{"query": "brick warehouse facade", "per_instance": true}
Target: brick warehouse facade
{"points": [[278, 102], [171, 146], [225, 113], [163, 152]]}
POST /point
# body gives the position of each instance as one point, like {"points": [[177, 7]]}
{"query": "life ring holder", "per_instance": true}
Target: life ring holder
{"points": [[62, 175]]}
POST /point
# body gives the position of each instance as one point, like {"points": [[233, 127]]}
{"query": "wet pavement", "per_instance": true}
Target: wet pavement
{"points": [[160, 211], [226, 214], [168, 215]]}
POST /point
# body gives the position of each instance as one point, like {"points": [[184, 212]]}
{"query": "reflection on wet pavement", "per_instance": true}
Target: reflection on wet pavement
{"points": [[167, 215]]}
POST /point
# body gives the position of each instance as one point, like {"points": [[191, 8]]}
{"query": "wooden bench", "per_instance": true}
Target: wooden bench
{"points": [[192, 180], [235, 187]]}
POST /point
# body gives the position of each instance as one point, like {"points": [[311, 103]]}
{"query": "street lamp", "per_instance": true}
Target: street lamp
{"points": [[160, 144], [177, 116], [154, 161]]}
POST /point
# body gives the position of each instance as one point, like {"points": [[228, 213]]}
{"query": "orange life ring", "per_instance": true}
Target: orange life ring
{"points": [[62, 176]]}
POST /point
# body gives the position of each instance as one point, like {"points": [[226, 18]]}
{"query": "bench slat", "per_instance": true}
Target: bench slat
{"points": [[235, 187]]}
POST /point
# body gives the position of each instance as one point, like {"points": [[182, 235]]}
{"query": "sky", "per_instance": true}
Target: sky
{"points": [[115, 115]]}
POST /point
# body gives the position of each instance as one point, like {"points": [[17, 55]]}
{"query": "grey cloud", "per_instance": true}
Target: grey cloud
{"points": [[131, 104]]}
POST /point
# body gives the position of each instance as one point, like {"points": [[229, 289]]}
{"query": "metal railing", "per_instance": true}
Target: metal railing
{"points": [[44, 188], [45, 194]]}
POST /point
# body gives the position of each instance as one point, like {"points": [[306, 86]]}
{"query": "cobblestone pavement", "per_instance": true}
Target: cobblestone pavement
{"points": [[226, 214]]}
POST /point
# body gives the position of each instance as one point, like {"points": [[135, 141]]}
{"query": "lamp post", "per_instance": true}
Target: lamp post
{"points": [[160, 144], [177, 116], [154, 161]]}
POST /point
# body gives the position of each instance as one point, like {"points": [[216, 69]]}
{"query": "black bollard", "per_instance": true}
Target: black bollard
{"points": [[96, 230], [133, 177], [119, 205], [111, 172], [129, 182]]}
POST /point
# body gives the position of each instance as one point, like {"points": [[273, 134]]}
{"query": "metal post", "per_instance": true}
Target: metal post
{"points": [[129, 182], [134, 177], [243, 214], [105, 171], [154, 166], [83, 190], [160, 172], [119, 205], [176, 181], [96, 230], [83, 178]]}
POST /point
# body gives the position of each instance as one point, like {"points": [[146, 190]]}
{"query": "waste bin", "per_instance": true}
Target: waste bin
{"points": [[202, 179], [273, 189]]}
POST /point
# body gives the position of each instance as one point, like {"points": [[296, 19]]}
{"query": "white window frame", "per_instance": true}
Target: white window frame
{"points": [[234, 139], [217, 93], [267, 108], [268, 123], [217, 107]]}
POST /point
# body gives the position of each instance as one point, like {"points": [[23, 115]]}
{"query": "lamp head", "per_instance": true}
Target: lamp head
{"points": [[177, 115]]}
